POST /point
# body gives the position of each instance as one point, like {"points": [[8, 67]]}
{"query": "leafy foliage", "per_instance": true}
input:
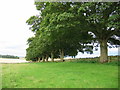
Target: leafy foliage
{"points": [[66, 28]]}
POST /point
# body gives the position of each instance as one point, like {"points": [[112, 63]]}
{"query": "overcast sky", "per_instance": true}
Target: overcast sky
{"points": [[14, 31]]}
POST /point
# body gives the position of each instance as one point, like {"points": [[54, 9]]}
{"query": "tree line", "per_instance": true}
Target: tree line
{"points": [[66, 28], [9, 56]]}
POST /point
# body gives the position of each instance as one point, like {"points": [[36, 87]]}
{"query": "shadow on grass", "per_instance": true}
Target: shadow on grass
{"points": [[114, 63]]}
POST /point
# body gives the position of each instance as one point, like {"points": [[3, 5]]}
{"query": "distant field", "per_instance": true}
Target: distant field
{"points": [[6, 60], [59, 75]]}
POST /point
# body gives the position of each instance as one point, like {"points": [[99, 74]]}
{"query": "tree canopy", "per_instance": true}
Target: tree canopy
{"points": [[66, 28], [103, 22]]}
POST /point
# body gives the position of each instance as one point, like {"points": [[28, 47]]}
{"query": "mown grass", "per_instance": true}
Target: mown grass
{"points": [[59, 75]]}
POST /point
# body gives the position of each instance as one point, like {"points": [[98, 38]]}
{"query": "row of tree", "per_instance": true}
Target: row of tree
{"points": [[9, 56], [66, 28]]}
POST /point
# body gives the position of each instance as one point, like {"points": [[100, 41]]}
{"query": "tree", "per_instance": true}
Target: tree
{"points": [[59, 22], [103, 22], [57, 30]]}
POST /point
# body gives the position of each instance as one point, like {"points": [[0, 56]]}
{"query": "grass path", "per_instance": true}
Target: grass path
{"points": [[59, 75]]}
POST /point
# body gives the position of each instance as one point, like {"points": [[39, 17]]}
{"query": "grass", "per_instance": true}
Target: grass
{"points": [[59, 75]]}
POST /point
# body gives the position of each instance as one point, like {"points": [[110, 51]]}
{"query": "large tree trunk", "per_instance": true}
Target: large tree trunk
{"points": [[52, 57], [103, 51], [61, 55], [38, 59], [47, 58], [43, 59]]}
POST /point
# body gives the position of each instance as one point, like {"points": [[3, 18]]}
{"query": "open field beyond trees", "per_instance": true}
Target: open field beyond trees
{"points": [[59, 75]]}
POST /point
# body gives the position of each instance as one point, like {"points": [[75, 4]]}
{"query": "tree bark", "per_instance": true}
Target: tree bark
{"points": [[43, 59], [61, 55], [52, 57], [103, 51], [47, 58], [38, 59]]}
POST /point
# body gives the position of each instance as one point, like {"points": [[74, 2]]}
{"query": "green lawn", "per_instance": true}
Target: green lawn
{"points": [[59, 75]]}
